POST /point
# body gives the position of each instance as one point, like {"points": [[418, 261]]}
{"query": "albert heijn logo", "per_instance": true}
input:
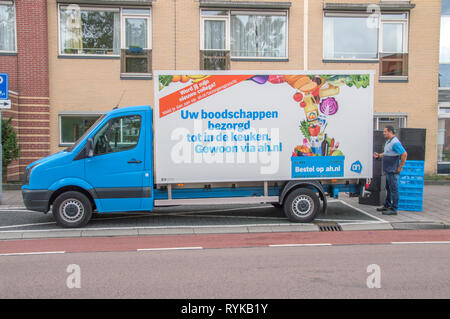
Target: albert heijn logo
{"points": [[356, 167]]}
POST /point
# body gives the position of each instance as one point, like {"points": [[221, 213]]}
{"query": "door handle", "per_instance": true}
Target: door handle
{"points": [[133, 161]]}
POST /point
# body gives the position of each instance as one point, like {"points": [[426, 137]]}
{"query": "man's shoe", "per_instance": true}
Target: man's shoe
{"points": [[390, 212], [382, 209]]}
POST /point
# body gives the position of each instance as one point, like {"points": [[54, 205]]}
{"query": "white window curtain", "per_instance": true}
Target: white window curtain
{"points": [[136, 32], [258, 36], [214, 34], [70, 30], [89, 31], [7, 28], [116, 37]]}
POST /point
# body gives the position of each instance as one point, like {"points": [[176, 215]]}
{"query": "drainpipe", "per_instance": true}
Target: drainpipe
{"points": [[175, 32], [305, 34]]}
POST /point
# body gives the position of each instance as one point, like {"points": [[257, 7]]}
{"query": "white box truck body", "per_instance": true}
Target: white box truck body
{"points": [[235, 126]]}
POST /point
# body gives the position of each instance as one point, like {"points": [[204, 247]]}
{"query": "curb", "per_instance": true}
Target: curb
{"points": [[439, 183], [146, 231], [416, 226]]}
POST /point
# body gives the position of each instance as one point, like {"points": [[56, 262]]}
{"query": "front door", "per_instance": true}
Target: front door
{"points": [[116, 170]]}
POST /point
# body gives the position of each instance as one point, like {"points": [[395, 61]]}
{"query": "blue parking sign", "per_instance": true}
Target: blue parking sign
{"points": [[3, 86]]}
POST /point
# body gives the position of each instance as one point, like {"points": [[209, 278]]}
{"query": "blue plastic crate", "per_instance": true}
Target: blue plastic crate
{"points": [[410, 183], [413, 168], [410, 194], [410, 204], [418, 164]]}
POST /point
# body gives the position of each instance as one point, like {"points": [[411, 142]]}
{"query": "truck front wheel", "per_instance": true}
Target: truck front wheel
{"points": [[72, 209], [301, 205]]}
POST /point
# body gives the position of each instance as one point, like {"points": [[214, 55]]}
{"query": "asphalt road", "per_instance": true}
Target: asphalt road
{"points": [[342, 271]]}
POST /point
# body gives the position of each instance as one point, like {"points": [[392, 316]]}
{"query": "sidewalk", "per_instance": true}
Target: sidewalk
{"points": [[435, 214]]}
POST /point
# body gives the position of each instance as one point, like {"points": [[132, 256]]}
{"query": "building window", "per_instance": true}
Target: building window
{"points": [[136, 41], [7, 27], [383, 120], [374, 37], [72, 127], [246, 34], [89, 30], [444, 140], [258, 35], [444, 53], [350, 37], [394, 45]]}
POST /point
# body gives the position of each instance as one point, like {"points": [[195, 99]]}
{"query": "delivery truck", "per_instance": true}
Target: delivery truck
{"points": [[291, 139]]}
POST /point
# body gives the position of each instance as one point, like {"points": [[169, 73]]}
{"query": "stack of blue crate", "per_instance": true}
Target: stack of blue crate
{"points": [[411, 186]]}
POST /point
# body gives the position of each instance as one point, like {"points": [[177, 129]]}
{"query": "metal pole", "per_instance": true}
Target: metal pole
{"points": [[1, 159]]}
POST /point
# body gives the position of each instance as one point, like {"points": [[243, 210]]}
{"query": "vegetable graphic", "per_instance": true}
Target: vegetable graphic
{"points": [[358, 80], [304, 127], [314, 130], [164, 80], [260, 79], [298, 97], [276, 79], [329, 106]]}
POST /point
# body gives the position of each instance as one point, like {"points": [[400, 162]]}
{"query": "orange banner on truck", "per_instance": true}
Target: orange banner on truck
{"points": [[197, 91]]}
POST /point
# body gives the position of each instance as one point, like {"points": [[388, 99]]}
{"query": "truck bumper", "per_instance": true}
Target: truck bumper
{"points": [[36, 200]]}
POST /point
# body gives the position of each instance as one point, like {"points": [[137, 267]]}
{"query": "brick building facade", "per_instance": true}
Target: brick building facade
{"points": [[28, 69]]}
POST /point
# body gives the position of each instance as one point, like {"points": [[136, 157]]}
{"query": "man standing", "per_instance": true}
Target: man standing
{"points": [[393, 153]]}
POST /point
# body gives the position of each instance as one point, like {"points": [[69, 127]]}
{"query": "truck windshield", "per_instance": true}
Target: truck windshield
{"points": [[70, 149]]}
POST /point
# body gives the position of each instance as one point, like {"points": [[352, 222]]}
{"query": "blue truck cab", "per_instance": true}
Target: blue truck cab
{"points": [[110, 169]]}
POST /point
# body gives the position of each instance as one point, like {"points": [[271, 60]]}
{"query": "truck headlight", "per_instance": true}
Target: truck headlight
{"points": [[28, 173]]}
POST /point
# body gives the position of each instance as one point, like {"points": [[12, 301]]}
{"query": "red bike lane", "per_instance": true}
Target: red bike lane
{"points": [[216, 241]]}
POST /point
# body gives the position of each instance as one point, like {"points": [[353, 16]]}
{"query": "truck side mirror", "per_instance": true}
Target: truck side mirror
{"points": [[90, 147]]}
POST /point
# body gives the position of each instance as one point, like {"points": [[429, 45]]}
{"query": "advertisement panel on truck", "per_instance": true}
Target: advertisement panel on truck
{"points": [[262, 126]]}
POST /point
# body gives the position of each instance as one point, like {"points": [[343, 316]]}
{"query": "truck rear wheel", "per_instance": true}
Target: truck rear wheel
{"points": [[72, 209], [301, 205]]}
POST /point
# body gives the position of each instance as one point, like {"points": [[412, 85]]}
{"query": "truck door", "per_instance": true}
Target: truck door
{"points": [[116, 170]]}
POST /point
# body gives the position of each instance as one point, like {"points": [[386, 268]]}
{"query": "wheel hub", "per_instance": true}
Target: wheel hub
{"points": [[72, 210], [302, 205]]}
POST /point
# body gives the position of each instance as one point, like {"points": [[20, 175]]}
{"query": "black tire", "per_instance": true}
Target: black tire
{"points": [[72, 209], [301, 205]]}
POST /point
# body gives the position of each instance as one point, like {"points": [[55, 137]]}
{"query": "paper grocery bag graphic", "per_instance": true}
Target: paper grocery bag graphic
{"points": [[197, 91]]}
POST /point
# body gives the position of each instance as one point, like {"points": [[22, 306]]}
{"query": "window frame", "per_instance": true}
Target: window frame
{"points": [[109, 128], [379, 15], [344, 14], [122, 28], [80, 115], [402, 116], [442, 115], [124, 16], [227, 19], [13, 4], [443, 63]]}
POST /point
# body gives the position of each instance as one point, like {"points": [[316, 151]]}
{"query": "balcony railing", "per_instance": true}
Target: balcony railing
{"points": [[135, 61], [214, 60], [394, 64]]}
